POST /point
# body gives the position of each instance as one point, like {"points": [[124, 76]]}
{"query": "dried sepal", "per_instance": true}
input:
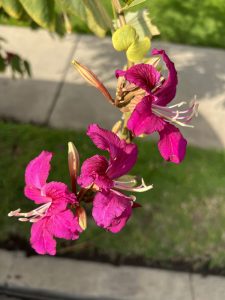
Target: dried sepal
{"points": [[73, 163], [117, 127]]}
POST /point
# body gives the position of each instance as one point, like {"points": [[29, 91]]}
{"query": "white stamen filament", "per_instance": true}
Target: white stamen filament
{"points": [[175, 116], [141, 188], [32, 216], [132, 181]]}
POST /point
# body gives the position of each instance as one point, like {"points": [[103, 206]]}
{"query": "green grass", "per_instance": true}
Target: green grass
{"points": [[190, 22], [181, 219]]}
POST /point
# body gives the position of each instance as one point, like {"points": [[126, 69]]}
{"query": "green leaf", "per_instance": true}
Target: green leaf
{"points": [[2, 64], [124, 37], [141, 21], [60, 25], [92, 12], [15, 63], [138, 50], [132, 3], [27, 67], [41, 11], [13, 8], [97, 18], [75, 7]]}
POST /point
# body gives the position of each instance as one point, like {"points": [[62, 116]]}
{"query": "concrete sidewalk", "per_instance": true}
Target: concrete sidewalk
{"points": [[60, 278], [57, 95]]}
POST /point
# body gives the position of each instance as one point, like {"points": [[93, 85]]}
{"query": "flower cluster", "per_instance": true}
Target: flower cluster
{"points": [[60, 213], [143, 95], [148, 106]]}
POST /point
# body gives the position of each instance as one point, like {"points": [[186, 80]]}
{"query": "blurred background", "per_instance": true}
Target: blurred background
{"points": [[44, 103]]}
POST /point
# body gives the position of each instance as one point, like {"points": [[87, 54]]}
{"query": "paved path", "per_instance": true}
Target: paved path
{"points": [[60, 278], [57, 96]]}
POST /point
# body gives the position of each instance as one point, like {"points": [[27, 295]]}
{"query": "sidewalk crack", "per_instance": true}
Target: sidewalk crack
{"points": [[62, 82]]}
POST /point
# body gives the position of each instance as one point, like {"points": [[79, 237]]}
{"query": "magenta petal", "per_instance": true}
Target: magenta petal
{"points": [[172, 145], [122, 159], [41, 239], [167, 91], [142, 75], [60, 196], [142, 120], [64, 225], [37, 171], [93, 171], [35, 195], [111, 210], [102, 138], [122, 155]]}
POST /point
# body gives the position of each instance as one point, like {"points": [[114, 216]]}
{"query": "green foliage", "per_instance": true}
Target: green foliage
{"points": [[91, 12], [13, 8], [96, 17], [41, 11], [2, 64], [18, 66], [14, 62], [54, 15], [132, 3], [190, 22], [142, 23]]}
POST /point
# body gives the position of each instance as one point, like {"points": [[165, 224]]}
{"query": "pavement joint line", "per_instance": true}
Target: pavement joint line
{"points": [[62, 81], [192, 291]]}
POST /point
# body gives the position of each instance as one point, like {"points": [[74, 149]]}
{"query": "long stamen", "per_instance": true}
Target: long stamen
{"points": [[32, 216], [126, 182], [141, 188], [179, 117]]}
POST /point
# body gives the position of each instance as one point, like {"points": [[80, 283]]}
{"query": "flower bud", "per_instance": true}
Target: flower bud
{"points": [[82, 217], [73, 162], [92, 79]]}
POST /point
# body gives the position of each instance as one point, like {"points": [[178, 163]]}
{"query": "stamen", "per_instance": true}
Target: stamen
{"points": [[175, 116], [141, 188], [178, 104], [32, 216], [129, 182]]}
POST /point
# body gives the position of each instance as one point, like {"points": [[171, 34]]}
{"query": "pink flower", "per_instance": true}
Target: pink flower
{"points": [[111, 209], [52, 218], [151, 113]]}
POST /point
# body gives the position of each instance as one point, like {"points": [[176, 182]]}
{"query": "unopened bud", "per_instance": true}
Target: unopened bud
{"points": [[82, 217], [92, 79], [73, 163]]}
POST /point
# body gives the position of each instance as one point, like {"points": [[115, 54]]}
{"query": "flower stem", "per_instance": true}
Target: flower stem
{"points": [[119, 11]]}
